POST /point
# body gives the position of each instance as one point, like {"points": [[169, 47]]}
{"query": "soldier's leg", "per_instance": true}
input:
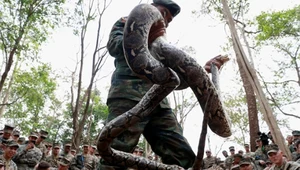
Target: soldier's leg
{"points": [[129, 138], [165, 136]]}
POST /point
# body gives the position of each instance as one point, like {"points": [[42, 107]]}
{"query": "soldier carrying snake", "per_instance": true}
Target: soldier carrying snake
{"points": [[168, 68]]}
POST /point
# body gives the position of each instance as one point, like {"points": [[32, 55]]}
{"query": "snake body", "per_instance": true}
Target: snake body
{"points": [[167, 68]]}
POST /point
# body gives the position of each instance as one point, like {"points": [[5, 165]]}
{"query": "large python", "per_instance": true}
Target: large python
{"points": [[167, 68]]}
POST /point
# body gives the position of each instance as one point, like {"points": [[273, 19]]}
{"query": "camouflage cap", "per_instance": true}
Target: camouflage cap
{"points": [[94, 147], [245, 161], [273, 149], [43, 133], [296, 133], [12, 143], [56, 145], [21, 139], [237, 155], [64, 161], [16, 133], [231, 148], [68, 143], [246, 145], [170, 5], [34, 134], [8, 128]]}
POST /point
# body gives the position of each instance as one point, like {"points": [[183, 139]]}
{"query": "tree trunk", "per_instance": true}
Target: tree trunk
{"points": [[252, 77], [252, 108]]}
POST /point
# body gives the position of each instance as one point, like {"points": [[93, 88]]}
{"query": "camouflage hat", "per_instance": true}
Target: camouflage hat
{"points": [[68, 143], [170, 5], [56, 145], [21, 139], [43, 133], [231, 148], [16, 133], [12, 143], [94, 147], [245, 161], [296, 133], [237, 155], [273, 149], [246, 145], [8, 128], [64, 161], [34, 134]]}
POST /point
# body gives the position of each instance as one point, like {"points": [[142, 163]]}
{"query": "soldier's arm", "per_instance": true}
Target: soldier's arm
{"points": [[20, 153], [115, 42], [34, 157]]}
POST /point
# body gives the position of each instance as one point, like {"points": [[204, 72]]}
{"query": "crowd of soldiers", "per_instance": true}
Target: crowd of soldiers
{"points": [[36, 153], [266, 157]]}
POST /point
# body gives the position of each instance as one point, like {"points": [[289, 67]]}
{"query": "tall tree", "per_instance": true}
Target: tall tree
{"points": [[239, 9], [24, 26], [85, 13], [281, 30]]}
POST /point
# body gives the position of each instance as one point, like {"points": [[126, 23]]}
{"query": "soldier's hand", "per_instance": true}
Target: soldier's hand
{"points": [[157, 29], [262, 162], [218, 61]]}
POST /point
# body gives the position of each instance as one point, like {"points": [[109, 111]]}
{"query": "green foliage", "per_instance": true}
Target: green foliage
{"points": [[279, 24], [31, 92], [24, 25]]}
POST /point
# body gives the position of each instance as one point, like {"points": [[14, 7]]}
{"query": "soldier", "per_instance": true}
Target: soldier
{"points": [[67, 151], [225, 153], [54, 157], [64, 164], [129, 89], [16, 135], [40, 142], [246, 164], [84, 160], [73, 152], [289, 140], [28, 156], [296, 154], [49, 148], [279, 163], [296, 137], [248, 153], [237, 159], [209, 161], [7, 131], [260, 156], [229, 159], [21, 140], [10, 149]]}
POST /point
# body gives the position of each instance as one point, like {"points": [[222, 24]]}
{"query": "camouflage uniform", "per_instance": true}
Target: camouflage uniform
{"points": [[286, 166], [52, 160], [26, 160], [249, 155], [228, 162], [209, 162], [82, 161], [8, 164], [43, 149], [161, 129]]}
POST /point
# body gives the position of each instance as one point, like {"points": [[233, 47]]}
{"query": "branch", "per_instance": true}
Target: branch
{"points": [[274, 100]]}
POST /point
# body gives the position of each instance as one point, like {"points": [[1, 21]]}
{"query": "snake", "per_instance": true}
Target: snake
{"points": [[169, 69]]}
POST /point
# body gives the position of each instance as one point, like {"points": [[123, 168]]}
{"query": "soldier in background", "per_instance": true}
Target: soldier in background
{"points": [[21, 141], [260, 156], [209, 161], [246, 164], [10, 149], [229, 159], [28, 156], [49, 148], [16, 135], [7, 131], [54, 157], [66, 153], [84, 161], [40, 142], [248, 153], [64, 164], [73, 152], [296, 137]]}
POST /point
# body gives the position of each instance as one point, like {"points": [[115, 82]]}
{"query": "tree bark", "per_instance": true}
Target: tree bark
{"points": [[252, 77]]}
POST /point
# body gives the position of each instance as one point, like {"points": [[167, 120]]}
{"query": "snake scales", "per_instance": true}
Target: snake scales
{"points": [[167, 68]]}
